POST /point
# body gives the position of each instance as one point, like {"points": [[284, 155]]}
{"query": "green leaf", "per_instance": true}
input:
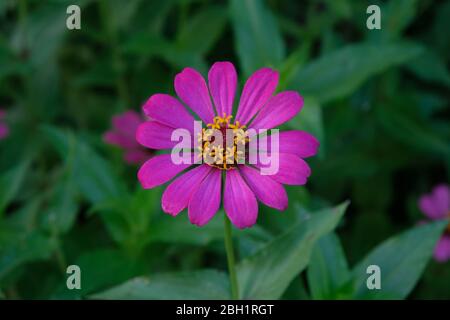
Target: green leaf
{"points": [[293, 63], [341, 8], [180, 230], [430, 67], [11, 65], [268, 273], [167, 229], [437, 38], [150, 17], [201, 285], [10, 183], [400, 121], [61, 139], [92, 174], [121, 13], [101, 74], [203, 30], [45, 24], [61, 214], [402, 259], [340, 73], [155, 45], [100, 269], [257, 37], [328, 271], [180, 59], [395, 18], [127, 218], [144, 43], [17, 248], [25, 218]]}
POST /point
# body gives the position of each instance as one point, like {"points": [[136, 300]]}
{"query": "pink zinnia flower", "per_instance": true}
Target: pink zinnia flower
{"points": [[123, 134], [200, 189], [4, 129], [436, 206]]}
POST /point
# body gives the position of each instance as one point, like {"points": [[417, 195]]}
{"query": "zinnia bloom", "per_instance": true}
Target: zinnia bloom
{"points": [[436, 206], [4, 129], [199, 189], [123, 134]]}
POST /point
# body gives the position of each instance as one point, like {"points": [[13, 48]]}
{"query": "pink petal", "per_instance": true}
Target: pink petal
{"points": [[257, 90], [267, 190], [136, 156], [441, 196], [120, 140], [442, 249], [280, 108], [2, 113], [124, 130], [4, 130], [206, 199], [155, 135], [192, 90], [426, 205], [169, 111], [292, 170], [297, 142], [159, 170], [239, 201], [222, 80], [177, 195], [127, 123], [429, 207]]}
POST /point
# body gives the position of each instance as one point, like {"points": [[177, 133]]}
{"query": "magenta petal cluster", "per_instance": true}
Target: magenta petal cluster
{"points": [[4, 129], [123, 133], [436, 206], [200, 188]]}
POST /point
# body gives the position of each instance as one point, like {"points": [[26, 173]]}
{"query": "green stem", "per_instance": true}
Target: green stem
{"points": [[230, 257]]}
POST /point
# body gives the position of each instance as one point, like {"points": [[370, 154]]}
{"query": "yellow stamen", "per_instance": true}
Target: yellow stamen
{"points": [[224, 159]]}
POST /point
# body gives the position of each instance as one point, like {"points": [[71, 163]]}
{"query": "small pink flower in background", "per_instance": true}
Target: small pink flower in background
{"points": [[200, 189], [4, 129], [123, 134], [436, 206]]}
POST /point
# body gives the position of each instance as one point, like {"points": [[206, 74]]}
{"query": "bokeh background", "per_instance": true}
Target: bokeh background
{"points": [[378, 101]]}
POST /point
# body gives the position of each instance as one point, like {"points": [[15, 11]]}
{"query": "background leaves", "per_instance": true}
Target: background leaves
{"points": [[180, 286], [401, 259], [258, 40], [328, 271], [339, 73], [377, 100], [267, 273]]}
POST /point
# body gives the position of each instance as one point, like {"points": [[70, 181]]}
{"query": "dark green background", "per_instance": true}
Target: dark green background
{"points": [[377, 100]]}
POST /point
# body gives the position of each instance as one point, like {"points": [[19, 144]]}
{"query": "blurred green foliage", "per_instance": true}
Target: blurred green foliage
{"points": [[378, 100]]}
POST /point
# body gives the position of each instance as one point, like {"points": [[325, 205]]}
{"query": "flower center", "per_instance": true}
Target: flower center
{"points": [[222, 144]]}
